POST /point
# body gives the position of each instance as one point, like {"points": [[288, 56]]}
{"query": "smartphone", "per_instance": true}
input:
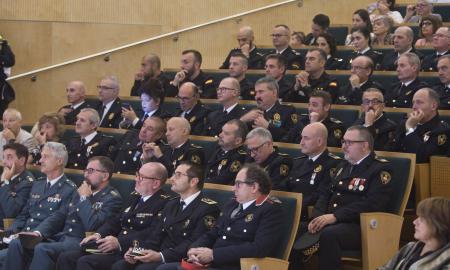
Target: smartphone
{"points": [[126, 105]]}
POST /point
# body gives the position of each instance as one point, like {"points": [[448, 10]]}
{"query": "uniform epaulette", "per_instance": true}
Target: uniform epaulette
{"points": [[41, 178], [381, 159], [274, 199], [29, 178], [114, 193], [296, 53], [209, 81], [175, 197], [164, 196], [196, 146], [339, 59], [332, 84], [300, 157], [283, 154], [334, 156], [334, 120], [106, 136], [242, 152], [208, 201], [68, 181]]}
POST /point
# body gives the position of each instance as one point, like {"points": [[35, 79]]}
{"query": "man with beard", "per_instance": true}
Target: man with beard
{"points": [[237, 68], [270, 114], [191, 61], [150, 69], [127, 152], [230, 154]]}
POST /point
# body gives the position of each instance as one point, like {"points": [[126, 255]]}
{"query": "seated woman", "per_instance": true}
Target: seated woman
{"points": [[385, 7], [421, 9], [428, 26], [361, 44], [360, 19], [297, 40], [432, 230], [49, 128], [382, 26], [327, 43]]}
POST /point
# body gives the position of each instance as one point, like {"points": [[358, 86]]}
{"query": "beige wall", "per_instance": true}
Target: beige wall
{"points": [[60, 32]]}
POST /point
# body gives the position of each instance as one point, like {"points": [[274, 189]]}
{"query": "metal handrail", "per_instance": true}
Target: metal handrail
{"points": [[32, 72]]}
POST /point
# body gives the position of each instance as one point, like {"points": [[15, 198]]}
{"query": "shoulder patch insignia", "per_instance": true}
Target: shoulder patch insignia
{"points": [[164, 196], [195, 159], [385, 177], [333, 156], [114, 193], [337, 133], [235, 166], [294, 118], [442, 139], [208, 201], [209, 221], [284, 170], [274, 199], [295, 65], [193, 118], [276, 117], [111, 116], [381, 159], [209, 81], [332, 84]]}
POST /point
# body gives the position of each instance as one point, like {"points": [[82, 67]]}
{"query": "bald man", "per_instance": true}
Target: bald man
{"points": [[403, 43], [178, 148], [76, 94], [312, 170], [150, 68], [245, 39]]}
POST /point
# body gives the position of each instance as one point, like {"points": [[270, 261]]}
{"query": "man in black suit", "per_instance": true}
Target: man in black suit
{"points": [[275, 67], [441, 45], [182, 221], [403, 43], [443, 88], [250, 226], [320, 25], [245, 38], [281, 35], [228, 96], [88, 142], [139, 213], [109, 106], [401, 93], [237, 68], [150, 69], [76, 94]]}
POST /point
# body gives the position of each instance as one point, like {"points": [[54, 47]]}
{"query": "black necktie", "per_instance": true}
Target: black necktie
{"points": [[237, 211], [145, 118], [140, 202], [83, 142], [181, 206], [47, 187], [102, 111], [351, 169]]}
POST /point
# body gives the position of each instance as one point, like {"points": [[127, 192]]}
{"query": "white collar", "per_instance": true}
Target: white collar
{"points": [[364, 51], [407, 51], [52, 182], [231, 108], [77, 105], [150, 113], [359, 161], [247, 204], [145, 198], [90, 137], [314, 158], [190, 199], [408, 82], [282, 51], [270, 108]]}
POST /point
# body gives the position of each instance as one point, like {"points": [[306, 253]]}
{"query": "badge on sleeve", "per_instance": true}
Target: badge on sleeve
{"points": [[385, 177], [195, 159], [442, 139], [209, 221], [337, 133], [235, 166], [284, 169], [249, 218]]}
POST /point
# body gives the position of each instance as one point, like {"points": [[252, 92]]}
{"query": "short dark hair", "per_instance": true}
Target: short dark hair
{"points": [[195, 171], [240, 55], [392, 4], [322, 94], [284, 26], [197, 55], [364, 31], [154, 89], [258, 175], [364, 134], [364, 15], [331, 42], [242, 128], [322, 20], [20, 149], [105, 163], [322, 53], [281, 59]]}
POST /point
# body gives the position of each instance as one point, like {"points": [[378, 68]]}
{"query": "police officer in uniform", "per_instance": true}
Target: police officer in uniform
{"points": [[127, 152], [441, 47], [319, 107], [76, 94], [191, 107], [191, 61], [359, 81], [228, 96], [256, 214], [443, 88], [109, 106], [245, 39], [90, 207], [183, 220], [47, 195], [179, 147], [270, 114], [150, 69], [310, 174], [275, 67], [237, 69], [229, 155], [401, 93], [281, 35], [260, 146], [16, 181], [360, 184], [361, 43], [380, 126], [423, 133], [314, 78], [141, 212], [88, 142]]}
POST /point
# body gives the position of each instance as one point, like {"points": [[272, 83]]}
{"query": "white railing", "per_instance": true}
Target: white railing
{"points": [[174, 33]]}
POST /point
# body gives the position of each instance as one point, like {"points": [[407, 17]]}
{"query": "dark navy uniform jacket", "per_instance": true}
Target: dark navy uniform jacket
{"points": [[325, 83], [382, 130], [247, 89], [350, 96], [196, 117], [14, 195], [367, 188], [113, 117], [136, 89], [444, 94], [222, 167], [294, 59], [218, 118], [100, 145], [78, 217], [43, 203], [206, 84], [389, 61], [255, 59], [429, 62], [71, 117], [134, 218], [253, 233], [401, 97], [177, 229]]}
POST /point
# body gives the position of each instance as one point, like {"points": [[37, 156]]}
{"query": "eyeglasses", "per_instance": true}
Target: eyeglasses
{"points": [[426, 23], [350, 142], [223, 89], [184, 99], [92, 170], [440, 36], [277, 35], [177, 175], [102, 87], [140, 177], [358, 67], [371, 101], [239, 183], [256, 149]]}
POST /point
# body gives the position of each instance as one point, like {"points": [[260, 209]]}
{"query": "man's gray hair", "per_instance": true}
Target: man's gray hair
{"points": [[271, 83], [261, 133], [94, 118], [59, 151]]}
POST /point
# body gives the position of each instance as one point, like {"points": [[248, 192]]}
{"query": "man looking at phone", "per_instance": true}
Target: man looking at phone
{"points": [[381, 127]]}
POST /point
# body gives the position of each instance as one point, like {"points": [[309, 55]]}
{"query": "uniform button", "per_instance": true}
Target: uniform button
{"points": [[335, 205], [78, 155], [339, 194], [51, 209], [340, 182], [123, 162], [129, 220], [78, 209], [224, 237], [229, 229], [245, 230], [210, 170], [142, 222], [297, 180], [125, 232], [184, 234], [28, 228], [76, 164], [131, 228], [170, 228], [70, 229], [40, 206], [32, 220], [73, 220], [38, 214]]}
